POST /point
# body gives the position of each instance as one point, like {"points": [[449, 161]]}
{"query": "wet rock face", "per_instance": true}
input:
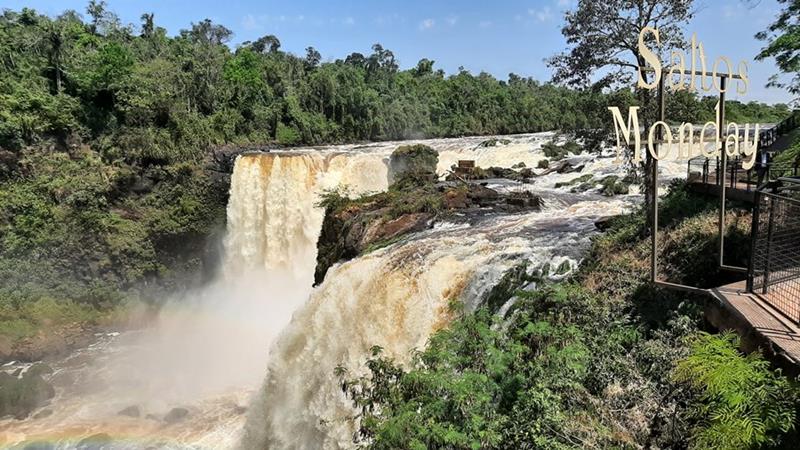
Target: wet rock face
{"points": [[21, 395], [361, 225]]}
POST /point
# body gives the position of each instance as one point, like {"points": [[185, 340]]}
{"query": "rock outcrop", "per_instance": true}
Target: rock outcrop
{"points": [[413, 203]]}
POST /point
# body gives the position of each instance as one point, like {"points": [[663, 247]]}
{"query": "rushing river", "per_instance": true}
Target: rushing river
{"points": [[248, 361]]}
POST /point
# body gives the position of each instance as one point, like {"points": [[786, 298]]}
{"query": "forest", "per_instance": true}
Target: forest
{"points": [[136, 94]]}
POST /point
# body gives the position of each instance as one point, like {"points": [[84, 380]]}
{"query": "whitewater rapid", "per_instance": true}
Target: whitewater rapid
{"points": [[259, 345]]}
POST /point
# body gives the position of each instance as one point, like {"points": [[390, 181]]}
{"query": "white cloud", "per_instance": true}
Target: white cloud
{"points": [[349, 21], [485, 23], [389, 19], [542, 15], [252, 22], [249, 22], [452, 20], [427, 24]]}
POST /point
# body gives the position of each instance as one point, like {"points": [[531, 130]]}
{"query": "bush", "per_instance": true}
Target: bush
{"points": [[612, 185], [287, 135], [556, 152], [740, 402]]}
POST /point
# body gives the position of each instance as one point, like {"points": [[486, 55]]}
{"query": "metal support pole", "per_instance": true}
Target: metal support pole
{"points": [[723, 160], [654, 201]]}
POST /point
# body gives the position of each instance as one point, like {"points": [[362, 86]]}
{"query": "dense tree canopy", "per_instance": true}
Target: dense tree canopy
{"points": [[144, 97], [783, 44]]}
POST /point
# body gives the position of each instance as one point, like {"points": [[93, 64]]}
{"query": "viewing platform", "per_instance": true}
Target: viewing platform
{"points": [[765, 308], [705, 174]]}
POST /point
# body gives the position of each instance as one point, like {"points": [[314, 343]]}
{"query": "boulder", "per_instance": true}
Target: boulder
{"points": [[416, 161], [130, 411], [99, 441], [387, 230], [176, 415], [455, 199], [482, 195], [21, 396]]}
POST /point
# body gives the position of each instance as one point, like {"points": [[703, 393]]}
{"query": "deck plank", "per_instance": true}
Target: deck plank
{"points": [[764, 319]]}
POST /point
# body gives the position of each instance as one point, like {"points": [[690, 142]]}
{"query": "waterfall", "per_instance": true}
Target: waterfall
{"points": [[395, 298], [273, 223], [263, 324]]}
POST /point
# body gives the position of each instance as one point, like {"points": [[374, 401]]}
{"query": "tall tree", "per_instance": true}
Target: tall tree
{"points": [[148, 25], [603, 41], [313, 58], [54, 44], [268, 43], [783, 44]]}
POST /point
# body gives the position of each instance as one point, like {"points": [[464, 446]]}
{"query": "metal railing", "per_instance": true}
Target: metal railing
{"points": [[774, 272], [707, 171], [768, 136]]}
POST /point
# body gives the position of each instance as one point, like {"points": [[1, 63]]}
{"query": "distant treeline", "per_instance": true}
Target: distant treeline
{"points": [[137, 94]]}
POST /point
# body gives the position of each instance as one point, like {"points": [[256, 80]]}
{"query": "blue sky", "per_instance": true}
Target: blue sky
{"points": [[499, 36]]}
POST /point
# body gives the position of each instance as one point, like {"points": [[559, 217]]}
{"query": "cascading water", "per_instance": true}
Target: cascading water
{"points": [[209, 350], [395, 298]]}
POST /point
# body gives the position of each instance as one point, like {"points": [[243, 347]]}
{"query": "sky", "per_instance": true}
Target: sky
{"points": [[498, 36]]}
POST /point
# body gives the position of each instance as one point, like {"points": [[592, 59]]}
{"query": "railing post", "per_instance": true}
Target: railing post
{"points": [[770, 229], [749, 179], [753, 240]]}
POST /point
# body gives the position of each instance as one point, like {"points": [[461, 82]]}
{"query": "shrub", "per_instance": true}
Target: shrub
{"points": [[741, 403], [612, 185], [556, 152], [287, 135]]}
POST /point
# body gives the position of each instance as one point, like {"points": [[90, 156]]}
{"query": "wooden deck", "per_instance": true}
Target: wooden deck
{"points": [[759, 324]]}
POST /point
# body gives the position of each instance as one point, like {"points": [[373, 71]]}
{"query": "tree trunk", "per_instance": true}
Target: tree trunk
{"points": [[647, 118]]}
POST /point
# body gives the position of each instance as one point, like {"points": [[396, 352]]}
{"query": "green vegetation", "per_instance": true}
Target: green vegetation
{"points": [[783, 44], [19, 396], [414, 164], [79, 235], [578, 180], [613, 185], [600, 360], [739, 402], [494, 142], [556, 152]]}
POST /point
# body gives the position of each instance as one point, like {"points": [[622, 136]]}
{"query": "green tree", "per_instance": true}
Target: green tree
{"points": [[603, 39], [783, 44]]}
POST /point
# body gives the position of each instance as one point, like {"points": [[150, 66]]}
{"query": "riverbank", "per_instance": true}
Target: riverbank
{"points": [[601, 359]]}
